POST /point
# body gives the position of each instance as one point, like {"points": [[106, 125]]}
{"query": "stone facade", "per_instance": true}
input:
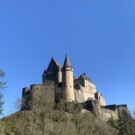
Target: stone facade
{"points": [[61, 80]]}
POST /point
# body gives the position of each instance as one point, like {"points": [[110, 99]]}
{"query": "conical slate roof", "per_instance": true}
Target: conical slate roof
{"points": [[67, 62]]}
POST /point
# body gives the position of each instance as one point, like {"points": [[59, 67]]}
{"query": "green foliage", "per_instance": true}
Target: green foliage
{"points": [[2, 74], [113, 122], [69, 106], [7, 128], [133, 113], [126, 124]]}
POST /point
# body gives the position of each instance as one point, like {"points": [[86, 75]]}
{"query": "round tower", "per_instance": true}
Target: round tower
{"points": [[59, 75], [67, 81]]}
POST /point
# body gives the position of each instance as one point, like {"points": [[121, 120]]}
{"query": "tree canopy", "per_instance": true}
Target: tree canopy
{"points": [[2, 84]]}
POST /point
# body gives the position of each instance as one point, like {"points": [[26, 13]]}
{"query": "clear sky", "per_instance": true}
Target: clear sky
{"points": [[98, 35]]}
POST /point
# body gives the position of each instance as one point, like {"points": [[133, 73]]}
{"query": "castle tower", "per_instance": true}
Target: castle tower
{"points": [[67, 81], [59, 75]]}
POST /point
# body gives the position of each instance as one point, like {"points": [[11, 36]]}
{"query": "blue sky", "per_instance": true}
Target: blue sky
{"points": [[98, 35]]}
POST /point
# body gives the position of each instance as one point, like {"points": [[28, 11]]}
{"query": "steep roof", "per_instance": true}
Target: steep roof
{"points": [[67, 62], [53, 66], [57, 63]]}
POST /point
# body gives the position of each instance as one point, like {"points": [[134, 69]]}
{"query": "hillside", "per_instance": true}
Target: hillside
{"points": [[51, 118], [57, 122]]}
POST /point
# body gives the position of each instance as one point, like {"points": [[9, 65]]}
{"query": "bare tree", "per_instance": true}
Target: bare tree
{"points": [[18, 104]]}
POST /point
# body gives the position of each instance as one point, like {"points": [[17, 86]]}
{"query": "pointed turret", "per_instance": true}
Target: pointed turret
{"points": [[68, 81], [67, 62]]}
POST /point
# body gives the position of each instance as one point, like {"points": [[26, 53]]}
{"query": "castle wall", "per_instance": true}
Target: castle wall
{"points": [[93, 106], [79, 95], [102, 101], [49, 79], [100, 98], [40, 95], [90, 86], [87, 94], [122, 107], [26, 98], [79, 81], [88, 90], [106, 114]]}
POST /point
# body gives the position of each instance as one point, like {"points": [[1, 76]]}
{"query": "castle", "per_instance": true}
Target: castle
{"points": [[66, 86]]}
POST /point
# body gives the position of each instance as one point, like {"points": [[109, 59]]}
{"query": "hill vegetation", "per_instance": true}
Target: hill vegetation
{"points": [[55, 123], [49, 118]]}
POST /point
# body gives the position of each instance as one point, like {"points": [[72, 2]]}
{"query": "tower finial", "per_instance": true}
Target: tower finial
{"points": [[67, 62]]}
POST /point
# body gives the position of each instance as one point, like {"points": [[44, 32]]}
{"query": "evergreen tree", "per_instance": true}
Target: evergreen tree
{"points": [[2, 74], [126, 124], [113, 122]]}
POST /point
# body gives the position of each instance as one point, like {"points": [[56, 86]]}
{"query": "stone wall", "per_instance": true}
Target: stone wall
{"points": [[40, 95], [26, 98], [86, 89], [49, 79], [100, 98], [106, 114], [79, 94]]}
